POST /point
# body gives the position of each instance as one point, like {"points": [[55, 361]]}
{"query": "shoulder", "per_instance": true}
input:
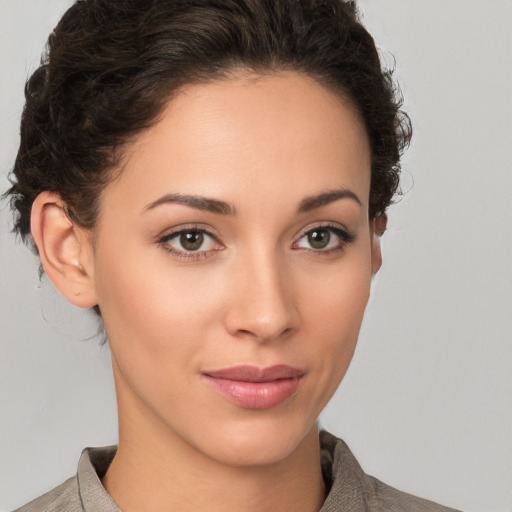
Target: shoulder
{"points": [[352, 489], [65, 497], [390, 499], [82, 492]]}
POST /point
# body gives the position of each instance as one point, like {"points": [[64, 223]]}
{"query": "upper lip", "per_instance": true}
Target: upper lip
{"points": [[248, 373]]}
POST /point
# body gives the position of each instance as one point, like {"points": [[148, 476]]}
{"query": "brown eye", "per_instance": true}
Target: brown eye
{"points": [[324, 239], [319, 238], [191, 240], [191, 244]]}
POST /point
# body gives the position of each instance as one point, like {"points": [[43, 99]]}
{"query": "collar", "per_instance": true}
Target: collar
{"points": [[348, 486]]}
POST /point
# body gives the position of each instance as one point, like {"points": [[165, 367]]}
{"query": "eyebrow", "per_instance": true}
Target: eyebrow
{"points": [[220, 207], [313, 202], [194, 201]]}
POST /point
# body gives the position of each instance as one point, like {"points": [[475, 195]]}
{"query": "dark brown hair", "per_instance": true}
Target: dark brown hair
{"points": [[111, 66]]}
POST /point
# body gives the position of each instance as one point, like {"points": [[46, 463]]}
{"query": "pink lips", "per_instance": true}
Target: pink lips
{"points": [[255, 388]]}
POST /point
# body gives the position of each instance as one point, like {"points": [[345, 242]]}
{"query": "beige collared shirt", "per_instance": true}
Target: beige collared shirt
{"points": [[350, 489]]}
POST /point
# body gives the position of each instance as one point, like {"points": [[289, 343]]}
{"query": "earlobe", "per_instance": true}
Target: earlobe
{"points": [[378, 229], [64, 250]]}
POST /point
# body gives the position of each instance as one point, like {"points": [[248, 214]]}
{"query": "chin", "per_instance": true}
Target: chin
{"points": [[259, 443]]}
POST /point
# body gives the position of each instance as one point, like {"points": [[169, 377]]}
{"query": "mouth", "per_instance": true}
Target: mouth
{"points": [[250, 387]]}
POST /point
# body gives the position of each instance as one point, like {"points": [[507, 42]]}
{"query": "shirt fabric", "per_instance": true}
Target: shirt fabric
{"points": [[349, 488]]}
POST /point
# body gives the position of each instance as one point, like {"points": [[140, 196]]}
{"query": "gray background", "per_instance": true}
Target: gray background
{"points": [[427, 403]]}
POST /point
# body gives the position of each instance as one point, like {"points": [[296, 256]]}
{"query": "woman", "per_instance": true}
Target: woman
{"points": [[212, 178]]}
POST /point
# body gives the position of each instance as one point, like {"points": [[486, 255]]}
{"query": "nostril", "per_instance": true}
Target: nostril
{"points": [[269, 312], [260, 336]]}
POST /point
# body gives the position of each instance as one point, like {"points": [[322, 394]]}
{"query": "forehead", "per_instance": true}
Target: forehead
{"points": [[251, 135]]}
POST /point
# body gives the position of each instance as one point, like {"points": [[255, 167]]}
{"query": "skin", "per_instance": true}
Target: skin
{"points": [[257, 292]]}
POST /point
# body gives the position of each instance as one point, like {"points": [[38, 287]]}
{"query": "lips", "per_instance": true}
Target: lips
{"points": [[255, 388]]}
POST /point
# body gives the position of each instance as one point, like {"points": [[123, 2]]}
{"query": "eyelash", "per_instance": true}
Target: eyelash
{"points": [[345, 238], [188, 255]]}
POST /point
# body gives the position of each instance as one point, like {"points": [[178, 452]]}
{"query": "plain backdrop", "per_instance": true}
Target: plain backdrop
{"points": [[427, 403]]}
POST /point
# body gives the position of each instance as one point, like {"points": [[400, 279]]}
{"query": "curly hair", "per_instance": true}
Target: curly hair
{"points": [[111, 67]]}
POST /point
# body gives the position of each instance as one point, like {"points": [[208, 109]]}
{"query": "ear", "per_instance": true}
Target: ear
{"points": [[378, 227], [65, 250]]}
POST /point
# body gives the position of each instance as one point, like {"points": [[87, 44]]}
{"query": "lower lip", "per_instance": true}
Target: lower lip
{"points": [[255, 395]]}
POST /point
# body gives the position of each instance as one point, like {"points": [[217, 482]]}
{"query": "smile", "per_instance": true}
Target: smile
{"points": [[255, 388]]}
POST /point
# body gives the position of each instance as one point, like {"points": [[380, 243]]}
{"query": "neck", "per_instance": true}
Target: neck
{"points": [[155, 469]]}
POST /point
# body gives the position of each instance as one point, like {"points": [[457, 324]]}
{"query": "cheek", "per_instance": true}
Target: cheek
{"points": [[334, 319], [337, 296], [157, 319], [146, 305]]}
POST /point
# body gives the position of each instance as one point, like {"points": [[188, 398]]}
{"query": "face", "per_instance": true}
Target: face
{"points": [[232, 265]]}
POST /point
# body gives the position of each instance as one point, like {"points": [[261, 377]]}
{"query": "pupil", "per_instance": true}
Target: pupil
{"points": [[319, 239], [192, 240]]}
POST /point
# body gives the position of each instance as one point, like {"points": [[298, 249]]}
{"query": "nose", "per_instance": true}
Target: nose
{"points": [[263, 300]]}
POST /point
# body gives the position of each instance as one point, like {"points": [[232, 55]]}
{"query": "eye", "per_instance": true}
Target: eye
{"points": [[190, 243], [324, 238]]}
